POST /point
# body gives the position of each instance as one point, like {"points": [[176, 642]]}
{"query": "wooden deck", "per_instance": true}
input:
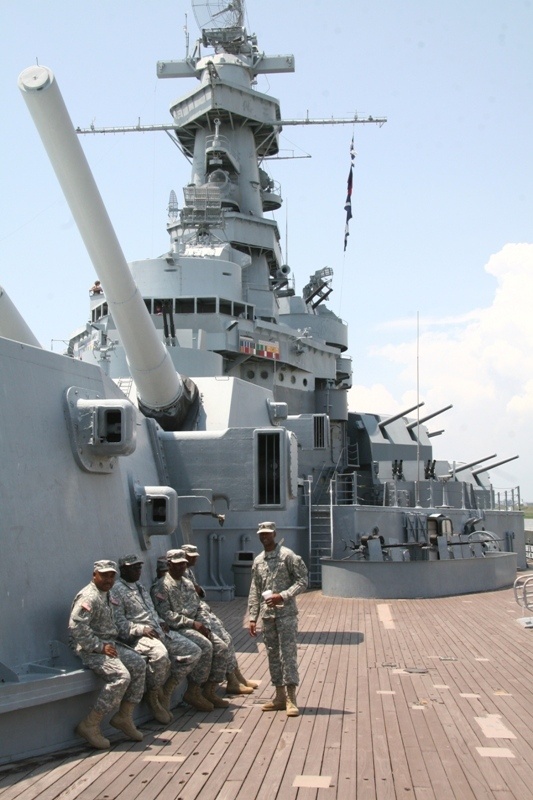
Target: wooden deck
{"points": [[422, 699]]}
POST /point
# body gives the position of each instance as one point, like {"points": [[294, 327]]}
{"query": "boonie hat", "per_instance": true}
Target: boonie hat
{"points": [[266, 527], [104, 566], [176, 556], [191, 549], [128, 561]]}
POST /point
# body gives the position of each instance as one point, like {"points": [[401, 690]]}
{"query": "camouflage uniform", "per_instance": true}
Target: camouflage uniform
{"points": [[91, 626], [179, 606], [134, 612], [284, 573], [189, 574], [215, 624]]}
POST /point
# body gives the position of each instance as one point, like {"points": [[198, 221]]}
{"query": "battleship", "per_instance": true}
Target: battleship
{"points": [[202, 395]]}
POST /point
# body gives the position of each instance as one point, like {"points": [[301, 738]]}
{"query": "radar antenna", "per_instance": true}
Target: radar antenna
{"points": [[216, 14]]}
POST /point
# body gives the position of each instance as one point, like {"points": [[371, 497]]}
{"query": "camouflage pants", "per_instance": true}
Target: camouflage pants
{"points": [[215, 624], [158, 662], [124, 677], [280, 635], [184, 654], [212, 663]]}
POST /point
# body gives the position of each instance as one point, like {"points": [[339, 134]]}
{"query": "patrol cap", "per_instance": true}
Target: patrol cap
{"points": [[190, 549], [266, 527], [176, 556], [129, 561], [162, 562], [104, 566]]}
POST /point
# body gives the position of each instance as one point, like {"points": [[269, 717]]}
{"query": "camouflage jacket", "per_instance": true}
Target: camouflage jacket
{"points": [[133, 611], [91, 623], [177, 603], [284, 573]]}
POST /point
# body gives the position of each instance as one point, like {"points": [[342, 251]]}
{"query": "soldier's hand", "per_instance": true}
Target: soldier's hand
{"points": [[151, 633], [110, 650], [274, 600], [198, 626], [252, 629]]}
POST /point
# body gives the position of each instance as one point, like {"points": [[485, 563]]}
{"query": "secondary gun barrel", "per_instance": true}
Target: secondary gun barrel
{"points": [[387, 421], [12, 323], [162, 393], [492, 466], [471, 464], [428, 416]]}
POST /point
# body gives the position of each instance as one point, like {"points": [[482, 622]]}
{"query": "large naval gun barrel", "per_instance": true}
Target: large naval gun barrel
{"points": [[12, 323], [162, 392]]}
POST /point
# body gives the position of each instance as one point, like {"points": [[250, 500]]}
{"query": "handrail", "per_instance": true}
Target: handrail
{"points": [[523, 591]]}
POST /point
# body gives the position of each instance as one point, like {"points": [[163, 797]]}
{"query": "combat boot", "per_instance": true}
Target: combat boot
{"points": [[208, 691], [123, 721], [194, 697], [292, 708], [242, 680], [158, 711], [89, 729], [234, 686], [279, 703], [165, 693]]}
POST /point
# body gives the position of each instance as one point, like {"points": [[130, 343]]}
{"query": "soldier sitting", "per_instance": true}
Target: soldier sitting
{"points": [[236, 682], [178, 604], [93, 637], [140, 627]]}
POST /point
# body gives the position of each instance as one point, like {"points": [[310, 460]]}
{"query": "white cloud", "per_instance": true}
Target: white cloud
{"points": [[482, 363]]}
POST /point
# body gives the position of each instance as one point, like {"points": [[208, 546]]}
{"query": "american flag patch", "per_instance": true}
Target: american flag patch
{"points": [[86, 607], [160, 596], [115, 601]]}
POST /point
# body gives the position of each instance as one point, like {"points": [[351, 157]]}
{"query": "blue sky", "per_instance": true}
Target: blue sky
{"points": [[442, 202]]}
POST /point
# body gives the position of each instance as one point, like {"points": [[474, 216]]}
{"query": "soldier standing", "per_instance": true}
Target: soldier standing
{"points": [[93, 637], [236, 682], [278, 575], [140, 627], [179, 606]]}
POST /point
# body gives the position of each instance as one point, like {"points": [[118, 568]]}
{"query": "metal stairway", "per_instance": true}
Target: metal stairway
{"points": [[320, 542]]}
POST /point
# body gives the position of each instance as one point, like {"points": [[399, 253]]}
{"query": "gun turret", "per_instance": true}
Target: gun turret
{"points": [[163, 394]]}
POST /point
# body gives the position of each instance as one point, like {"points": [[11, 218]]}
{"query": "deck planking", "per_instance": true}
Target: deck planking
{"points": [[394, 696]]}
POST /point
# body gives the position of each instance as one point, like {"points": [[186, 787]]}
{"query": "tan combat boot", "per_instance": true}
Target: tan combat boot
{"points": [[292, 708], [208, 691], [194, 697], [242, 680], [165, 693], [158, 711], [89, 729], [123, 721], [279, 703], [234, 686]]}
